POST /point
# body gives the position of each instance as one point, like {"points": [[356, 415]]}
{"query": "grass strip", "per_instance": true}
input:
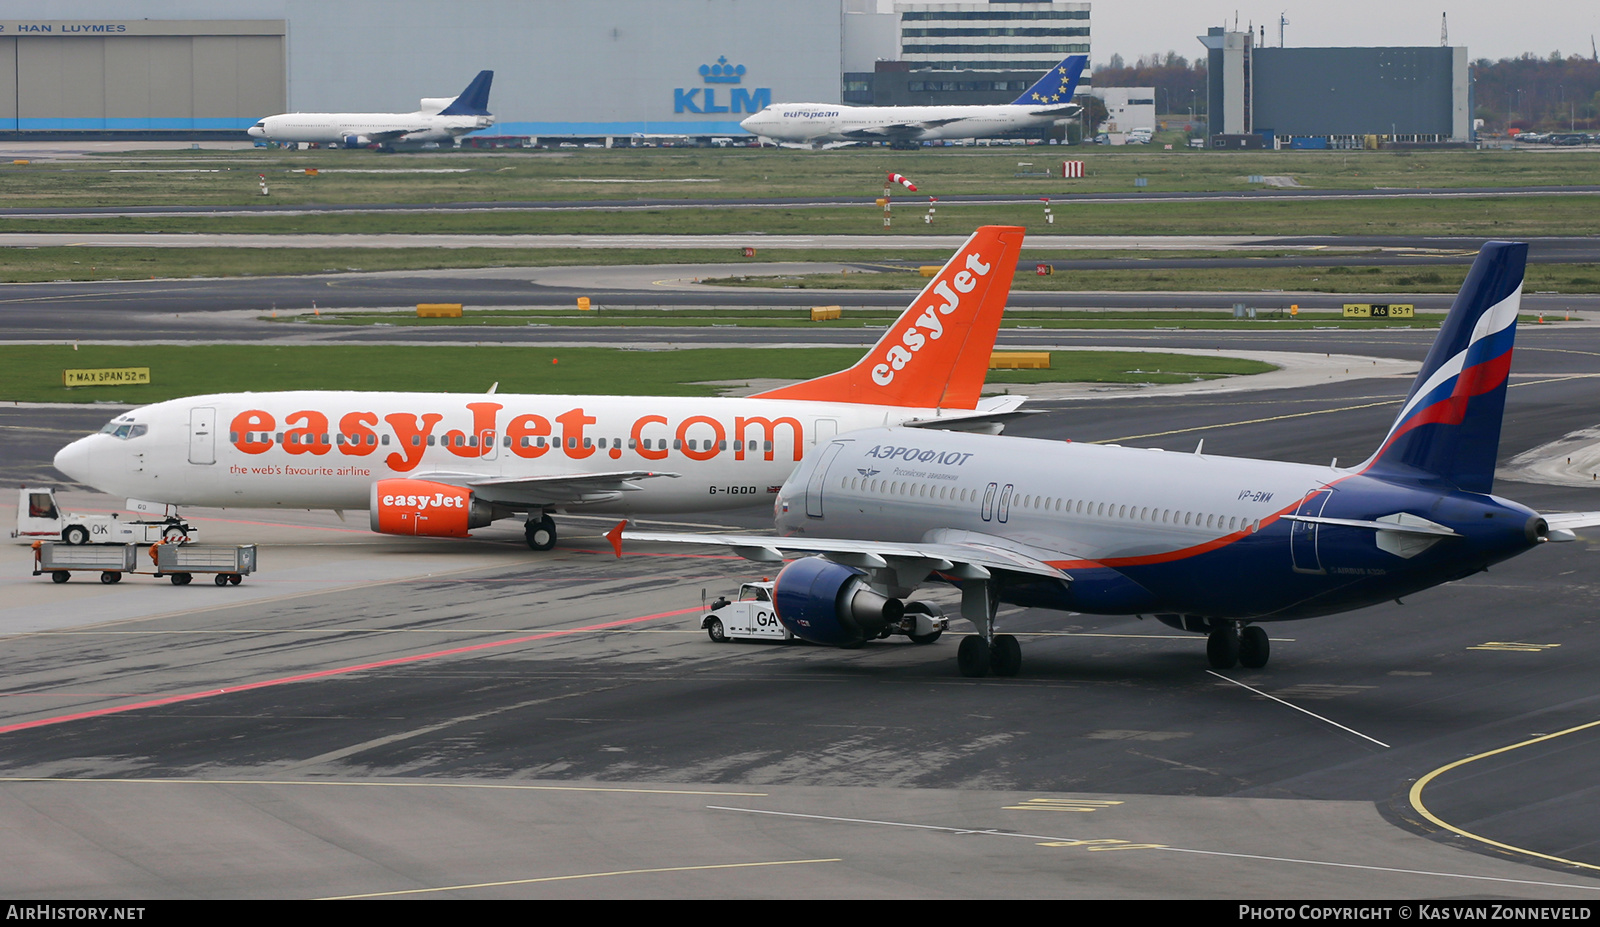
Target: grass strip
{"points": [[33, 373]]}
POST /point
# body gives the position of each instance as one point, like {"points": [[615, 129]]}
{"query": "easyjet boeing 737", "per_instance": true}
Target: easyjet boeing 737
{"points": [[440, 464]]}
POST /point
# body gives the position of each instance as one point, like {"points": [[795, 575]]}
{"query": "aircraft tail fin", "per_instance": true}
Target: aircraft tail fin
{"points": [[1449, 427], [1057, 85], [936, 355], [474, 101]]}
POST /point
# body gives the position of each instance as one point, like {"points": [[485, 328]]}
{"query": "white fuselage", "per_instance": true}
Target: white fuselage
{"points": [[337, 127], [1082, 502], [325, 449], [831, 122]]}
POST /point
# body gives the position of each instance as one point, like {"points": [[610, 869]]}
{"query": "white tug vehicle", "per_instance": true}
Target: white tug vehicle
{"points": [[40, 519]]}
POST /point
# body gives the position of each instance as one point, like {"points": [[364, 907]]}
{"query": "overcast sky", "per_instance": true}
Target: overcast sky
{"points": [[1489, 28]]}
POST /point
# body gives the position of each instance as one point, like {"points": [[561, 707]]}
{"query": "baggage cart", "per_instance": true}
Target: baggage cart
{"points": [[227, 562], [61, 560]]}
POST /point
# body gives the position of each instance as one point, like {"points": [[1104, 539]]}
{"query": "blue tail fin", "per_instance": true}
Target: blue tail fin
{"points": [[474, 101], [1449, 427], [1057, 85]]}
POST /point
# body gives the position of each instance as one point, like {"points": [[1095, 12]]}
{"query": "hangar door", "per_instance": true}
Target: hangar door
{"points": [[141, 82]]}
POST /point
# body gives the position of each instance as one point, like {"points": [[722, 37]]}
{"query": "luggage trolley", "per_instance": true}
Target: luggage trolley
{"points": [[61, 560], [228, 562]]}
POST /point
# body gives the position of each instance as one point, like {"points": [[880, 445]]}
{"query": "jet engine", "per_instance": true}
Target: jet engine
{"points": [[426, 509], [356, 141], [825, 603]]}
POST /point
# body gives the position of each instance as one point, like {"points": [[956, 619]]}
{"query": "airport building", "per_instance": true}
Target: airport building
{"points": [[603, 68], [1335, 97], [614, 68]]}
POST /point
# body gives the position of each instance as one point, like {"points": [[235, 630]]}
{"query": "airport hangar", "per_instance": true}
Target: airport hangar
{"points": [[614, 69]]}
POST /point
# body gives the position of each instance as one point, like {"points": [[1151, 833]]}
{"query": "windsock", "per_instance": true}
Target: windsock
{"points": [[904, 182]]}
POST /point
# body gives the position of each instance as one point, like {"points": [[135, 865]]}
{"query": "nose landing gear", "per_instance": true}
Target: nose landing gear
{"points": [[540, 532]]}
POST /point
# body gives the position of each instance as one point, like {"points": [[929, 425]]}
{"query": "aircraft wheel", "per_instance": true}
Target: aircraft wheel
{"points": [[75, 534], [928, 638], [973, 657], [60, 576], [1005, 655], [715, 631], [1222, 648], [109, 577], [541, 534], [1254, 648]]}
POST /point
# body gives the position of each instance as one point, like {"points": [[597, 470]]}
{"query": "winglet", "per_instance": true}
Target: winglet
{"points": [[936, 355], [615, 537]]}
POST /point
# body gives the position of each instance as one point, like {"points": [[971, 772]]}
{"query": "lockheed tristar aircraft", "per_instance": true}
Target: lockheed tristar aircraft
{"points": [[439, 464], [1043, 104], [1211, 544], [437, 119]]}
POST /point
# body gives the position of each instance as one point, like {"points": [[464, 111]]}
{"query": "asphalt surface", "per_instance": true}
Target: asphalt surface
{"points": [[467, 719], [1061, 195], [241, 308]]}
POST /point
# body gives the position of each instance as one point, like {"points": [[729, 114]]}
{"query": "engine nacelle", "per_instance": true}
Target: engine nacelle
{"points": [[423, 508], [825, 603], [356, 141]]}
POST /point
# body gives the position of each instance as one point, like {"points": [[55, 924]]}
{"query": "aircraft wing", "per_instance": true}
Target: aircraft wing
{"points": [[388, 136], [972, 557], [1060, 112], [899, 129], [548, 490]]}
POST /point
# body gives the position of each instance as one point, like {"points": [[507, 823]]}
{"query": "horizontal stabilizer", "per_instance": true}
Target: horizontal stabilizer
{"points": [[1400, 524]]}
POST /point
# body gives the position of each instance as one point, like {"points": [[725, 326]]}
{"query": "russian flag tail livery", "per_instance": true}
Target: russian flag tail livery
{"points": [[1449, 427], [1057, 85], [937, 353], [474, 101]]}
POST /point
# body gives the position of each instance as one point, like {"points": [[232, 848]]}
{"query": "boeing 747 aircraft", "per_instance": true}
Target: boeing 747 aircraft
{"points": [[1211, 544], [440, 464], [437, 119], [1046, 102]]}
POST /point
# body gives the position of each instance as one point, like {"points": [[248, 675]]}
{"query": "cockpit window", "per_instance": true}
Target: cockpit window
{"points": [[124, 430]]}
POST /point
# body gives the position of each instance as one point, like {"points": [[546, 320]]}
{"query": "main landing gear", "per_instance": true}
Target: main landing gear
{"points": [[540, 532], [1230, 645], [988, 652]]}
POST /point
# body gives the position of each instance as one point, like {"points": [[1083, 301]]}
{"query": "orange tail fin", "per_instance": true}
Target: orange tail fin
{"points": [[936, 354]]}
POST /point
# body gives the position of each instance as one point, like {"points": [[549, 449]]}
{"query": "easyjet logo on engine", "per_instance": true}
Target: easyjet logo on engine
{"points": [[929, 326], [437, 500]]}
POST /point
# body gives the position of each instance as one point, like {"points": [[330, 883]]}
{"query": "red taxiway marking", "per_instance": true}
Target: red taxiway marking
{"points": [[339, 671]]}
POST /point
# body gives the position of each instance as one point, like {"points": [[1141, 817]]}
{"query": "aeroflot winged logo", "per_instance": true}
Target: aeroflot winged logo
{"points": [[929, 326]]}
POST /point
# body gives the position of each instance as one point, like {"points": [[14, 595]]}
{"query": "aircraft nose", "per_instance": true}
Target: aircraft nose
{"points": [[73, 460], [256, 131], [751, 124]]}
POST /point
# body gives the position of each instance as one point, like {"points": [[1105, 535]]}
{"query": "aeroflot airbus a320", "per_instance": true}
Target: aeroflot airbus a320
{"points": [[1204, 543], [439, 464]]}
